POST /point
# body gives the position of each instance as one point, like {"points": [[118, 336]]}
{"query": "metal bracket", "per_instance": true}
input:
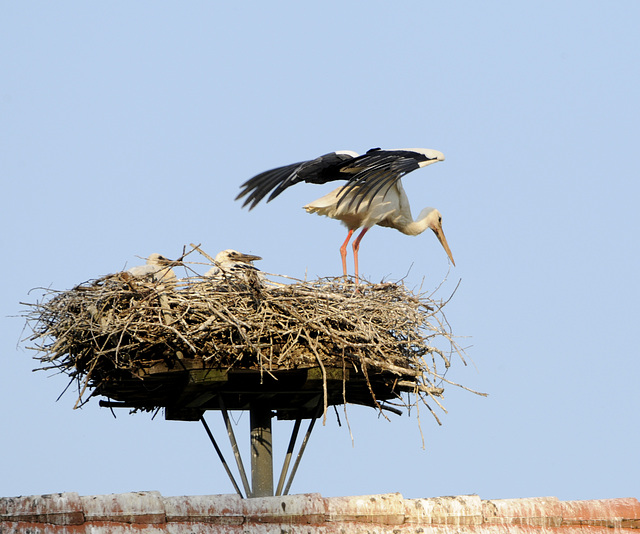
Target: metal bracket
{"points": [[262, 452]]}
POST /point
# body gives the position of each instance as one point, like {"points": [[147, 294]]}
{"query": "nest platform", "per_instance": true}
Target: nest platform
{"points": [[198, 344]]}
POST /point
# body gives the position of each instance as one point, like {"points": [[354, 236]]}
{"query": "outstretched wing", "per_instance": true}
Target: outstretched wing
{"points": [[367, 175], [317, 171]]}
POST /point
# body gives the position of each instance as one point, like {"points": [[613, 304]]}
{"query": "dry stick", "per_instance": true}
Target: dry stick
{"points": [[393, 368], [365, 372], [447, 361], [238, 328], [436, 401], [185, 313], [420, 424], [313, 324], [164, 305], [420, 387], [197, 247], [324, 376], [430, 409], [188, 343], [454, 345], [463, 387], [288, 348], [237, 322], [86, 382], [124, 330], [65, 389], [93, 364], [344, 396]]}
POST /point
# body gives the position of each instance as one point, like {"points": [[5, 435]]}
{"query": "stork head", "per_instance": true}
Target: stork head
{"points": [[434, 221], [159, 259], [231, 255]]}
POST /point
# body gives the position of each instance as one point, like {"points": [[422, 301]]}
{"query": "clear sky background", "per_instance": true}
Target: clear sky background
{"points": [[126, 128]]}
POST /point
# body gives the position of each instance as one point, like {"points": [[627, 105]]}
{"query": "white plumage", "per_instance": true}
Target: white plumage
{"points": [[157, 267]]}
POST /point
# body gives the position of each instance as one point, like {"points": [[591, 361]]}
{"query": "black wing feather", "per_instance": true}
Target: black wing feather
{"points": [[316, 171], [260, 185]]}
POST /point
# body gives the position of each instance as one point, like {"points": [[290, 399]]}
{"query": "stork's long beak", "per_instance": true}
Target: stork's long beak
{"points": [[168, 263], [443, 241], [246, 257]]}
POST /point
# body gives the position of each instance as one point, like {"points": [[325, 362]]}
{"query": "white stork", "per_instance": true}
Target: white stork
{"points": [[158, 267], [232, 263], [372, 195]]}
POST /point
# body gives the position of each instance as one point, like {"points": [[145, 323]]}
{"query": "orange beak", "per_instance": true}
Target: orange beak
{"points": [[437, 229]]}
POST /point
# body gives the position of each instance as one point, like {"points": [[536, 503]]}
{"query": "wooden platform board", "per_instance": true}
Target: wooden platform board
{"points": [[190, 388]]}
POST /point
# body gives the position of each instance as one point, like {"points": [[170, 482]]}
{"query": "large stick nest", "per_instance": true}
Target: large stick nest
{"points": [[118, 327]]}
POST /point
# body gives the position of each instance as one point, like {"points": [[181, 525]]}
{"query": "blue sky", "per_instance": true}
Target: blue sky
{"points": [[127, 129]]}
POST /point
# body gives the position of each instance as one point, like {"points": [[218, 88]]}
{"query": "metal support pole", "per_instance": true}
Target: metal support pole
{"points": [[224, 462], [287, 459], [303, 445], [261, 451], [236, 451]]}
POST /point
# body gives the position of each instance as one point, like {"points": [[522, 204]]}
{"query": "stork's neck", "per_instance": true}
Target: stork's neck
{"points": [[402, 219], [419, 225]]}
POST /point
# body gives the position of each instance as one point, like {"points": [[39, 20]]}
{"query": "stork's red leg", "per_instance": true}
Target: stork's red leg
{"points": [[356, 247], [343, 252]]}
